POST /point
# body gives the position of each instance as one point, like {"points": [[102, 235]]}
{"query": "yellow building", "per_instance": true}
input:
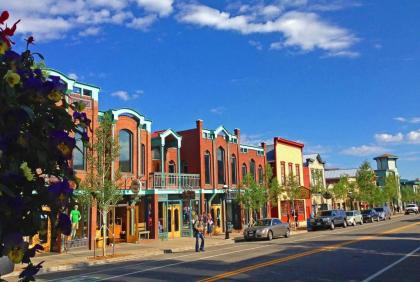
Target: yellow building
{"points": [[285, 157], [315, 166]]}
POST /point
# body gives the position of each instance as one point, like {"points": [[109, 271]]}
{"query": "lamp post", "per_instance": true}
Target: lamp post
{"points": [[226, 188]]}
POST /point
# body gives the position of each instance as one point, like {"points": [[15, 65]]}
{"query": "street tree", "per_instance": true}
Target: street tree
{"points": [[101, 182], [390, 190], [341, 189], [254, 196], [272, 186], [366, 183], [293, 190]]}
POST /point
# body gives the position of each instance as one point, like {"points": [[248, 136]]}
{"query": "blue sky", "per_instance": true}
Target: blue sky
{"points": [[341, 76]]}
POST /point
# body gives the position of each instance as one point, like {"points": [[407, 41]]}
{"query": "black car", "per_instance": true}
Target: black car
{"points": [[329, 219], [370, 215]]}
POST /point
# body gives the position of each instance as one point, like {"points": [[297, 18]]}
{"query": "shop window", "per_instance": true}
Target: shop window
{"points": [[126, 149], [87, 92], [244, 170], [207, 165], [260, 174], [252, 168], [221, 166], [233, 169], [79, 154]]}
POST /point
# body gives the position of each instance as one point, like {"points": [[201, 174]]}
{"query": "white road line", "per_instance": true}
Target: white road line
{"points": [[373, 276], [363, 227], [178, 263]]}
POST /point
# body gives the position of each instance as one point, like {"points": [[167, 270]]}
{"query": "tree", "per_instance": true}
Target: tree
{"points": [[341, 189], [366, 183], [99, 181], [292, 189], [272, 185], [36, 145], [390, 189], [254, 196]]}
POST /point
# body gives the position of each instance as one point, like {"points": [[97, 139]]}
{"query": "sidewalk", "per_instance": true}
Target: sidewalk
{"points": [[81, 257]]}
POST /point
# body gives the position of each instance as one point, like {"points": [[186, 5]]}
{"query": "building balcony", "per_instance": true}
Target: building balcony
{"points": [[160, 180]]}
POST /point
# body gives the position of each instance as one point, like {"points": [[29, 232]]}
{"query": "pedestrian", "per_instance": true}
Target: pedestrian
{"points": [[296, 219], [204, 219], [198, 234], [209, 225]]}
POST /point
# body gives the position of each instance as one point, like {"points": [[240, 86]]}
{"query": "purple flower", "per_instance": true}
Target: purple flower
{"points": [[63, 142], [11, 55], [62, 187], [14, 247], [64, 224], [30, 253]]}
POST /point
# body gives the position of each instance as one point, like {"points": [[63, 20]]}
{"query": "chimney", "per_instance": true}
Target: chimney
{"points": [[264, 146], [199, 124], [237, 132]]}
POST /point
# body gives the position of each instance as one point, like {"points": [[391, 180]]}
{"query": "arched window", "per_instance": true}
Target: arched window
{"points": [[260, 174], [244, 170], [252, 168], [79, 154], [125, 139], [233, 169], [143, 159], [207, 166], [221, 166]]}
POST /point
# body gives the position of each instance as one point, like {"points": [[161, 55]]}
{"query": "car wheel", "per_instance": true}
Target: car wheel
{"points": [[287, 235], [270, 235], [332, 226]]}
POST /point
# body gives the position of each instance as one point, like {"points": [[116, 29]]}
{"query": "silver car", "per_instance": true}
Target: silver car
{"points": [[267, 228], [354, 217]]}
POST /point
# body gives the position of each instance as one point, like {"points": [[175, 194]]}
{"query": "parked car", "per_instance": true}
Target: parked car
{"points": [[267, 228], [329, 219], [411, 208], [384, 212], [370, 215], [354, 217]]}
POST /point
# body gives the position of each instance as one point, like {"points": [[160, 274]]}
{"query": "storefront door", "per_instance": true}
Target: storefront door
{"points": [[174, 220], [216, 214]]}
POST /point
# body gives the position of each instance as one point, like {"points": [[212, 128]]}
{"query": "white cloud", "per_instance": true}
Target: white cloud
{"points": [[304, 30], [142, 23], [364, 150], [255, 139], [124, 95], [389, 138], [73, 76], [276, 46], [218, 110], [414, 136], [413, 120], [256, 44], [162, 7], [90, 31]]}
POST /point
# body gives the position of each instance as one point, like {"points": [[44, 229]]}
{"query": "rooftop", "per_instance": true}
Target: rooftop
{"points": [[337, 173], [386, 156]]}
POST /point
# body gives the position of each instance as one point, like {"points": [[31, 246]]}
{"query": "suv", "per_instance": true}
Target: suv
{"points": [[329, 219], [411, 208], [370, 215], [384, 212], [354, 217]]}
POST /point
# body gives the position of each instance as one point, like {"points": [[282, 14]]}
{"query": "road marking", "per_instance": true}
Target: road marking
{"points": [[303, 238], [299, 255], [373, 276], [178, 263]]}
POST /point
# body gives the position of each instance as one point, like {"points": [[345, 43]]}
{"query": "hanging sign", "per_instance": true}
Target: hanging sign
{"points": [[135, 186]]}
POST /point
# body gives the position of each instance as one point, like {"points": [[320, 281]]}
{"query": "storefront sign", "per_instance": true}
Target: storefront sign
{"points": [[135, 186]]}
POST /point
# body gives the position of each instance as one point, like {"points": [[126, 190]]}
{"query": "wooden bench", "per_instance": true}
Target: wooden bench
{"points": [[141, 229]]}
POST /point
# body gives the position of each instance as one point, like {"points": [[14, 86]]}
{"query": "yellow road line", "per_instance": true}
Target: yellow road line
{"points": [[299, 255]]}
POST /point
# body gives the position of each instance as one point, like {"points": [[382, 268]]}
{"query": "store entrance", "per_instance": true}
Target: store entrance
{"points": [[174, 220]]}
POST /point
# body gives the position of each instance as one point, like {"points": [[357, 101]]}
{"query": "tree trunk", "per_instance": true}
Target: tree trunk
{"points": [[104, 233]]}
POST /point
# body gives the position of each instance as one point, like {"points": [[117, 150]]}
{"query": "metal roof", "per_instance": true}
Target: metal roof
{"points": [[337, 173]]}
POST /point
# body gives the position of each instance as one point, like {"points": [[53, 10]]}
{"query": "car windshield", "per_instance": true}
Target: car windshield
{"points": [[349, 213], [411, 206], [326, 213], [379, 209], [366, 212], [263, 222]]}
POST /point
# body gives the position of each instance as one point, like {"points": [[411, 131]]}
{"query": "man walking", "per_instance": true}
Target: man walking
{"points": [[198, 233]]}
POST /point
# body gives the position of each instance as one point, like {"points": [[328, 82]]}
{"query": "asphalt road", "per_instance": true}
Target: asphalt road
{"points": [[384, 251]]}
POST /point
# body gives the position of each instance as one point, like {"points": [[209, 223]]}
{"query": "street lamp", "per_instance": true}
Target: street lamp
{"points": [[226, 188]]}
